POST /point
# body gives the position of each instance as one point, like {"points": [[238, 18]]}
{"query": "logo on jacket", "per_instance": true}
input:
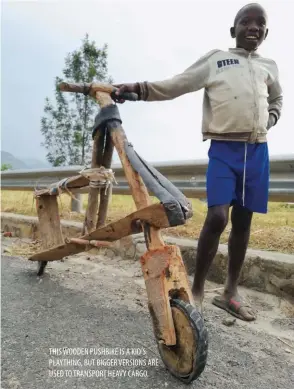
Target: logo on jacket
{"points": [[226, 64]]}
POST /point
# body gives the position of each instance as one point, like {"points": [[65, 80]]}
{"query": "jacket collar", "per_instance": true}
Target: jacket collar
{"points": [[243, 52]]}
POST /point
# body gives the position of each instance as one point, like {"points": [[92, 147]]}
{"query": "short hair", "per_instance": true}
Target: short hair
{"points": [[242, 9]]}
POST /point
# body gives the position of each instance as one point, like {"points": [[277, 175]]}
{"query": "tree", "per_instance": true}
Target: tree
{"points": [[67, 124], [5, 166]]}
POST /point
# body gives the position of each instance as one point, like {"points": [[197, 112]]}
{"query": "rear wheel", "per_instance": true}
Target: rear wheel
{"points": [[41, 267]]}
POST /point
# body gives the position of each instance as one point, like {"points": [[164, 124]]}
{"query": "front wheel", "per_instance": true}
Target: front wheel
{"points": [[187, 359]]}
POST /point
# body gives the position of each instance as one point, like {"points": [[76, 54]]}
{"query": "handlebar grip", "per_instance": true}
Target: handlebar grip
{"points": [[130, 96], [75, 87]]}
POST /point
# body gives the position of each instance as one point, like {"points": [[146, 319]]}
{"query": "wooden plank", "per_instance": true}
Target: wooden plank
{"points": [[176, 280], [91, 87], [139, 191], [154, 264], [95, 243], [92, 207], [153, 215], [49, 221], [77, 182], [105, 194], [72, 183], [165, 276]]}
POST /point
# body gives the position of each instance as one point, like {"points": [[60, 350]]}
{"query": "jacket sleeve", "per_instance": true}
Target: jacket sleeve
{"points": [[275, 98], [191, 80]]}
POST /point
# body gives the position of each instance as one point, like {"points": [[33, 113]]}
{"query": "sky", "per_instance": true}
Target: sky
{"points": [[148, 40]]}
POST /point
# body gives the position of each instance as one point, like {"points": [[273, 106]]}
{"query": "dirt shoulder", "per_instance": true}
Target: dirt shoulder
{"points": [[93, 300]]}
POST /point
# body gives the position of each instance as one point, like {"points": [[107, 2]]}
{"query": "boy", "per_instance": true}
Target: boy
{"points": [[242, 101]]}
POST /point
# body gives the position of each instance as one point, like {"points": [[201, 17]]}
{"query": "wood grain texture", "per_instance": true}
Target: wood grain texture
{"points": [[93, 88], [49, 221], [92, 206], [105, 193], [180, 357], [165, 277], [139, 191], [154, 215]]}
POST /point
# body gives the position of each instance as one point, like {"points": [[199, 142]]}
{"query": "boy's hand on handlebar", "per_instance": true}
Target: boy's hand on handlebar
{"points": [[126, 88]]}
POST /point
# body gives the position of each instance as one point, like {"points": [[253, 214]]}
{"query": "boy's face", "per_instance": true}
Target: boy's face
{"points": [[250, 28]]}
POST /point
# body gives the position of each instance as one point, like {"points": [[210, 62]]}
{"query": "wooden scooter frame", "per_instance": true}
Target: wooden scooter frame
{"points": [[162, 265]]}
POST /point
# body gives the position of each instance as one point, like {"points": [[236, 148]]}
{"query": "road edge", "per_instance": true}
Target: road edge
{"points": [[264, 271]]}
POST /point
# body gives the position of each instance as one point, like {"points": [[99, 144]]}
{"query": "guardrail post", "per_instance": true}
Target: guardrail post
{"points": [[76, 203]]}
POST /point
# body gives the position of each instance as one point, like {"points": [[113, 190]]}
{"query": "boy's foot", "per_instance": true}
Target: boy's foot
{"points": [[235, 306]]}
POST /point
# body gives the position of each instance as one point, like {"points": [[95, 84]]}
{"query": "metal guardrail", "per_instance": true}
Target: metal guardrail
{"points": [[189, 176]]}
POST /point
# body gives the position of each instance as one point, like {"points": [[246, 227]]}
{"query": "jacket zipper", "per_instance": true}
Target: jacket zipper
{"points": [[244, 174], [253, 136]]}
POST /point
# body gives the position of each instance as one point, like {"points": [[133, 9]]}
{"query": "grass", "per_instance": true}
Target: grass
{"points": [[274, 231]]}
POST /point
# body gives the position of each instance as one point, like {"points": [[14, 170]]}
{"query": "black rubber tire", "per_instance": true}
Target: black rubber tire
{"points": [[41, 267], [200, 335]]}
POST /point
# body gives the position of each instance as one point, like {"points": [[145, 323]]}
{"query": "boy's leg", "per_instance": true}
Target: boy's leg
{"points": [[215, 223], [220, 185], [237, 245], [251, 198]]}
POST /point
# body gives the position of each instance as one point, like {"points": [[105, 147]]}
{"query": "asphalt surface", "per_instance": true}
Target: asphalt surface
{"points": [[87, 306]]}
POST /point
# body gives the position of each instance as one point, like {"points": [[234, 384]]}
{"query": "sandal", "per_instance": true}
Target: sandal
{"points": [[232, 306]]}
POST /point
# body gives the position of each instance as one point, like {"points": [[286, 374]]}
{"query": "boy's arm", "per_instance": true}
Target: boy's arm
{"points": [[275, 98], [191, 80]]}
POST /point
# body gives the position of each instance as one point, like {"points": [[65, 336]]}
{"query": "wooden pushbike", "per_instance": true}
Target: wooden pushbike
{"points": [[178, 326]]}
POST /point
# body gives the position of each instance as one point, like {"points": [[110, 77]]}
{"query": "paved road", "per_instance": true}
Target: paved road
{"points": [[95, 304]]}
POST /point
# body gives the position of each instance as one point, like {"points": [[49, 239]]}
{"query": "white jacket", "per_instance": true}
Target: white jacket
{"points": [[240, 90]]}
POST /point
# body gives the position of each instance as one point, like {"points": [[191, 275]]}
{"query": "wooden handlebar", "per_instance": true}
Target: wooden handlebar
{"points": [[86, 88], [94, 88]]}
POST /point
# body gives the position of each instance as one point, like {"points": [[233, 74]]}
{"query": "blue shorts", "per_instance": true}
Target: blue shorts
{"points": [[238, 173]]}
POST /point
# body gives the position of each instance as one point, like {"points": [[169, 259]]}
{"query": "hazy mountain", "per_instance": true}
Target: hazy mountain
{"points": [[33, 163], [22, 163], [11, 160]]}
